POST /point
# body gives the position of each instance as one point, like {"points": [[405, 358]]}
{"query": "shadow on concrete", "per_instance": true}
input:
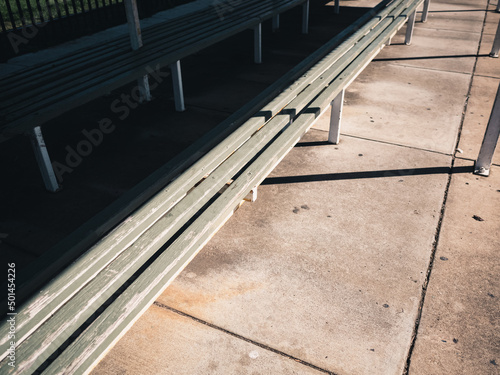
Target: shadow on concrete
{"points": [[311, 144], [368, 174]]}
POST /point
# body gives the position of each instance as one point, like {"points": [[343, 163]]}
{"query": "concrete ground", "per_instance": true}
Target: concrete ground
{"points": [[366, 257], [374, 256]]}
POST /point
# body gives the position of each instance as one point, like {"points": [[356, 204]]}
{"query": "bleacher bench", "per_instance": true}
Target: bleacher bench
{"points": [[69, 324]]}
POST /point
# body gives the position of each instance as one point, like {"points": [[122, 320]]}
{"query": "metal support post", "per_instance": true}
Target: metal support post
{"points": [[177, 84], [496, 43], [337, 7], [490, 140], [305, 17], [143, 84], [257, 43], [134, 29], [276, 22], [43, 160], [409, 28], [425, 11], [335, 118]]}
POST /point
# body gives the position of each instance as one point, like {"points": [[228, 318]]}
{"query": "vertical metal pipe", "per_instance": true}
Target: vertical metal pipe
{"points": [[43, 160], [425, 11], [177, 84], [496, 43], [305, 17], [409, 28], [134, 26], [276, 22], [257, 43], [490, 140]]}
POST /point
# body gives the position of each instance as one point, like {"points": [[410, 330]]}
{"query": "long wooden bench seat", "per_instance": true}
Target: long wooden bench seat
{"points": [[31, 97], [68, 325]]}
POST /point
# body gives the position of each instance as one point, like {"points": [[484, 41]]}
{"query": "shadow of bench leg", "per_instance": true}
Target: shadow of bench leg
{"points": [[177, 84], [276, 22], [335, 118], [409, 28], [43, 160], [305, 17], [496, 43], [425, 11], [490, 140], [337, 7], [257, 43]]}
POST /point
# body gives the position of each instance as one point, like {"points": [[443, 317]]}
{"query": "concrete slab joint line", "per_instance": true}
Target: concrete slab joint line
{"points": [[240, 337]]}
